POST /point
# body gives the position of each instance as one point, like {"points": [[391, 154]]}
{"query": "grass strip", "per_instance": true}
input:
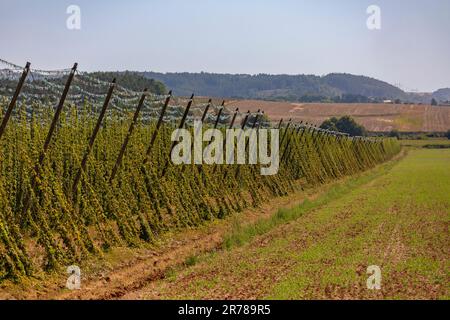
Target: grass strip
{"points": [[240, 235]]}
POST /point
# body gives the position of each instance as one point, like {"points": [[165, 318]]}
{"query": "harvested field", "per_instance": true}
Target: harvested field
{"points": [[375, 117]]}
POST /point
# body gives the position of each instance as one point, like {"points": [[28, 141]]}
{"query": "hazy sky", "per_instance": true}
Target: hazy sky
{"points": [[236, 36]]}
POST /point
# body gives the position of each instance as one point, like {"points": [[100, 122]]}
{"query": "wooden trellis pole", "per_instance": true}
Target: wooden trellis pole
{"points": [[216, 123], [259, 123], [57, 113], [174, 143], [285, 131], [238, 170], [253, 127], [233, 119], [205, 112], [202, 120], [48, 139], [287, 145], [244, 123], [158, 125], [93, 136], [280, 124], [127, 138], [290, 150], [11, 105]]}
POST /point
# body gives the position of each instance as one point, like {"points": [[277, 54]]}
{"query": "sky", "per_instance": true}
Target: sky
{"points": [[411, 50]]}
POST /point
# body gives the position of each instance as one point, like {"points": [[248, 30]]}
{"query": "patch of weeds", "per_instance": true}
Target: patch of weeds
{"points": [[191, 260], [171, 275]]}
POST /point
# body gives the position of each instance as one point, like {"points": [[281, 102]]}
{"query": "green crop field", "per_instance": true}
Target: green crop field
{"points": [[234, 159], [87, 188], [48, 222], [427, 143], [396, 216]]}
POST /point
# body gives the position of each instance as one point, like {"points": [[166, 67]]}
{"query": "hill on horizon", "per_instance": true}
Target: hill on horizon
{"points": [[334, 87], [331, 88]]}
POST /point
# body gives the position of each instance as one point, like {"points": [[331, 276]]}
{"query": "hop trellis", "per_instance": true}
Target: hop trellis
{"points": [[69, 221]]}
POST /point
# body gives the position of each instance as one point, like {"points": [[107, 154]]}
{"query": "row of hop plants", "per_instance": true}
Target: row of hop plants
{"points": [[59, 227]]}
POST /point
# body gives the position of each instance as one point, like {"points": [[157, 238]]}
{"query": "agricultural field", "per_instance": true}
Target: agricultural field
{"points": [[84, 187], [426, 143], [374, 117], [64, 201], [217, 159], [396, 216]]}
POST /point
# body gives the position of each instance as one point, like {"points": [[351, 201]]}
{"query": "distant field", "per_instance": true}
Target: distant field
{"points": [[375, 117], [445, 143]]}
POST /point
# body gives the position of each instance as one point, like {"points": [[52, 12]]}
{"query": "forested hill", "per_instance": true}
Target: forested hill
{"points": [[132, 80], [279, 87], [334, 87]]}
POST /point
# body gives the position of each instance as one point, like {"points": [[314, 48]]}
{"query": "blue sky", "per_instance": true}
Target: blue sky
{"points": [[266, 36]]}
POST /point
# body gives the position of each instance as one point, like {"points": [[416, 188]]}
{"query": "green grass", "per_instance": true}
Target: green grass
{"points": [[427, 143], [191, 260], [241, 235], [396, 216], [412, 205]]}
